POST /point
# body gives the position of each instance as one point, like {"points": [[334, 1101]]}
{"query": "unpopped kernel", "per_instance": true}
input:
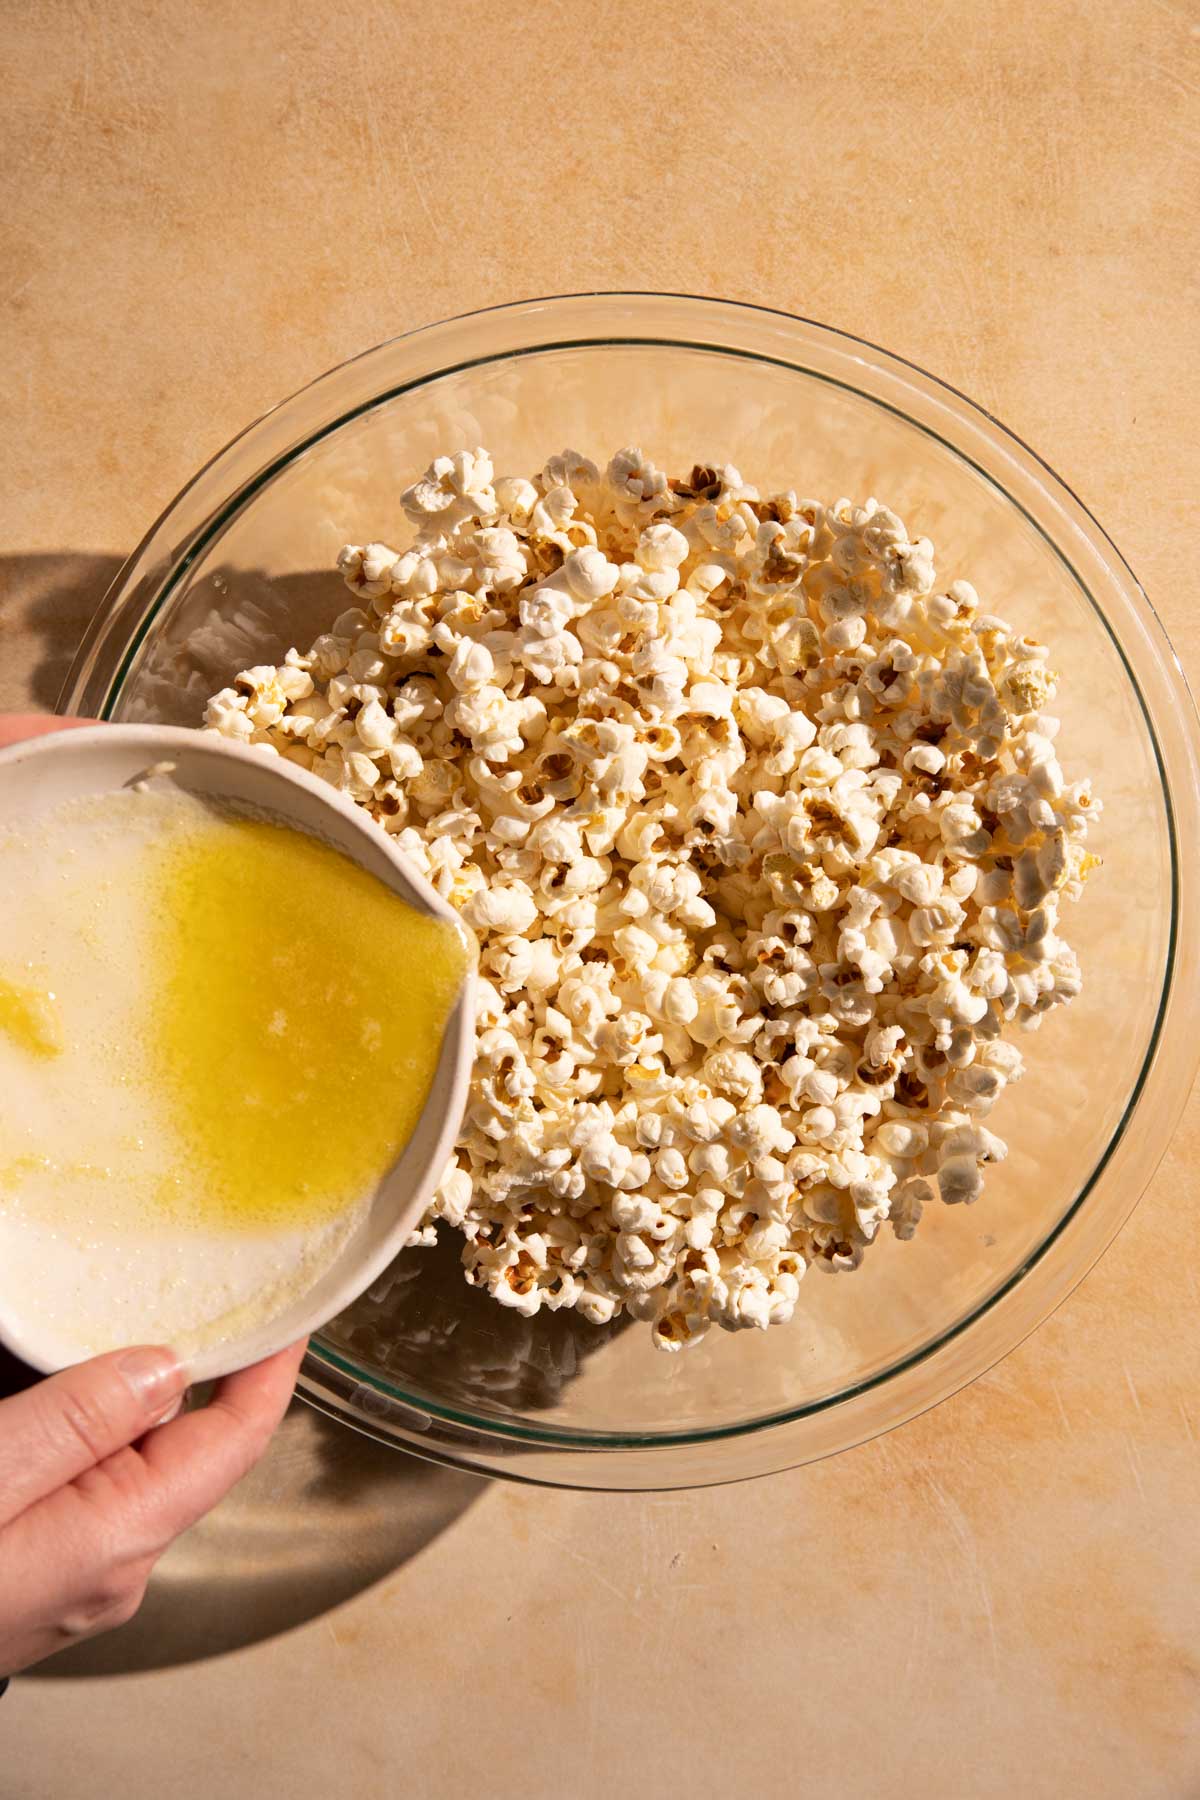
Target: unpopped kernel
{"points": [[764, 837]]}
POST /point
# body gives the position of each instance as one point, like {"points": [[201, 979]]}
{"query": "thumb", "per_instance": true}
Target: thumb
{"points": [[54, 1431], [16, 727]]}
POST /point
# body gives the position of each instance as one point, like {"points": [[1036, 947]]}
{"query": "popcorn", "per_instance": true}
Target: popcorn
{"points": [[765, 839], [452, 490]]}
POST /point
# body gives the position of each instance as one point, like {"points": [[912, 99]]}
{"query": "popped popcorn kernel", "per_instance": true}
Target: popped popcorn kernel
{"points": [[765, 839]]}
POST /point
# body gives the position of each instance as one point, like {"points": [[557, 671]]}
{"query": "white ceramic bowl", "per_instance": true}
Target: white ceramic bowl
{"points": [[40, 773]]}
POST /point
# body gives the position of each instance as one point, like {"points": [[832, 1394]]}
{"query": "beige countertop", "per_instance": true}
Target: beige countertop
{"points": [[205, 205]]}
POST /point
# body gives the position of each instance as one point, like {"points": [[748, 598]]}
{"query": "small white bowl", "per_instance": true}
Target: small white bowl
{"points": [[41, 773]]}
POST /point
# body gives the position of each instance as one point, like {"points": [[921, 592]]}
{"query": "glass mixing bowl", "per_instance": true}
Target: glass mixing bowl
{"points": [[240, 566]]}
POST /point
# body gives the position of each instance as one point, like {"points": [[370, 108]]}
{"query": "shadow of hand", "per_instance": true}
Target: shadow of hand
{"points": [[325, 1514]]}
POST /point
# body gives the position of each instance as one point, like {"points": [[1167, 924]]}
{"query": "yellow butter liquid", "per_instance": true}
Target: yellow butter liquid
{"points": [[296, 1017], [28, 1018]]}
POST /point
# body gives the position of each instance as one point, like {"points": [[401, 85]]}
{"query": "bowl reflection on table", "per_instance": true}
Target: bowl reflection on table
{"points": [[240, 567]]}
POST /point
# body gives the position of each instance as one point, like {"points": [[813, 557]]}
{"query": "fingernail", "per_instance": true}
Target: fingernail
{"points": [[172, 1412], [155, 1375]]}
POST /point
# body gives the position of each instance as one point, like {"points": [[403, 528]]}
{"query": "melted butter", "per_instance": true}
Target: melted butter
{"points": [[29, 1018], [296, 1016], [12, 1174]]}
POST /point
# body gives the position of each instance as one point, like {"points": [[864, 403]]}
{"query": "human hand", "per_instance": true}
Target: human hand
{"points": [[16, 726], [93, 1487]]}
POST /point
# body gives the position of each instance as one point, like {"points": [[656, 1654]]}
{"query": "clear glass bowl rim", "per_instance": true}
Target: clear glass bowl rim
{"points": [[560, 1455]]}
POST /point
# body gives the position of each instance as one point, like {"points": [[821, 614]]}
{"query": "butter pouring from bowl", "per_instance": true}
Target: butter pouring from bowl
{"points": [[255, 1107]]}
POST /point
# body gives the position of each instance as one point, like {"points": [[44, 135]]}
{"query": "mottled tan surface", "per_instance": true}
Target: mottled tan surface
{"points": [[205, 205]]}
